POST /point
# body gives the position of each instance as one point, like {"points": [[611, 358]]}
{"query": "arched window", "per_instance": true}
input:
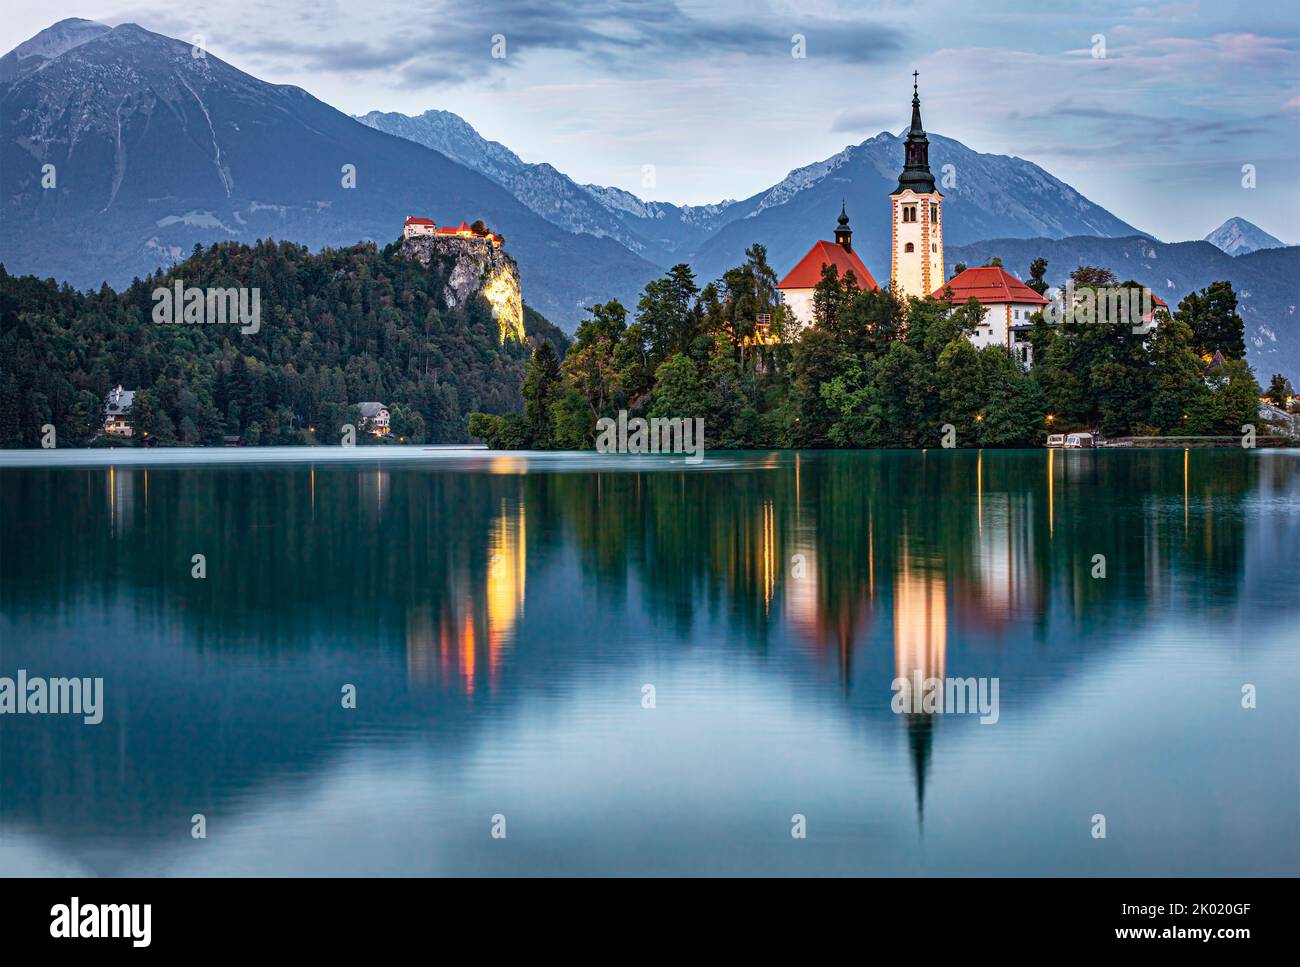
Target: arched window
{"points": [[909, 247]]}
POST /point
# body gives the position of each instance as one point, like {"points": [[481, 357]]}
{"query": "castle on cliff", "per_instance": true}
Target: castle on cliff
{"points": [[478, 267], [414, 227]]}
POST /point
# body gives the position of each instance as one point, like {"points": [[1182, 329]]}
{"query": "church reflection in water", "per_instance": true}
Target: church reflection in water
{"points": [[816, 552], [454, 596], [814, 548]]}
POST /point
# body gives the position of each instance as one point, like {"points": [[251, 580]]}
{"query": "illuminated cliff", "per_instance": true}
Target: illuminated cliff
{"points": [[477, 268]]}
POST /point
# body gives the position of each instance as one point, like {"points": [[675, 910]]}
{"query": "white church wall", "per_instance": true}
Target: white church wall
{"points": [[799, 302]]}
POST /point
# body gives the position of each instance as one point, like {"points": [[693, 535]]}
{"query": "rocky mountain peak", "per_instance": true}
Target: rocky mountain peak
{"points": [[1237, 236]]}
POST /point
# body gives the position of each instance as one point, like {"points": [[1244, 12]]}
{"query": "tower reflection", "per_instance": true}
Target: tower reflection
{"points": [[920, 651]]}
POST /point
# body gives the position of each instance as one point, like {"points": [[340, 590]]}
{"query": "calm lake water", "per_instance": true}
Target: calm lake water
{"points": [[500, 617]]}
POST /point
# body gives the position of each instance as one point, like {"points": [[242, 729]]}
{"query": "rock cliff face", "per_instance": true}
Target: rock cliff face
{"points": [[478, 267]]}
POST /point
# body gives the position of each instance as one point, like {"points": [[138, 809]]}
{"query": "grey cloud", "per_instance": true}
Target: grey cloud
{"points": [[868, 119], [637, 33]]}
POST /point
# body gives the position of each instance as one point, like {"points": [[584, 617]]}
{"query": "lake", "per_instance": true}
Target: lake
{"points": [[586, 664]]}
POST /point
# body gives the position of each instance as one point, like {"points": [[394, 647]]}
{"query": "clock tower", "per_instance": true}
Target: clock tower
{"points": [[916, 268]]}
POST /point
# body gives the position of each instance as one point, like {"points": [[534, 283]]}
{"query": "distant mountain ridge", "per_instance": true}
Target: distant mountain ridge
{"points": [[1023, 209], [658, 231], [154, 150], [1267, 282], [993, 195], [1237, 236]]}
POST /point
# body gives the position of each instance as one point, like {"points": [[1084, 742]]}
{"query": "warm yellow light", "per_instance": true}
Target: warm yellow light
{"points": [[502, 294]]}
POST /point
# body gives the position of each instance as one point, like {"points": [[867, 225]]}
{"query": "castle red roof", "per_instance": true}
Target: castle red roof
{"points": [[808, 272], [990, 284], [412, 220]]}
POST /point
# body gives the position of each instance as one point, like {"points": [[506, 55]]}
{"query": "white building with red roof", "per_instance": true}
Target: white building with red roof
{"points": [[1008, 306], [801, 281], [418, 226]]}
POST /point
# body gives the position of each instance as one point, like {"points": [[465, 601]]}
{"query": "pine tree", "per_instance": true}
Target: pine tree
{"points": [[1279, 390], [1176, 377], [541, 386], [1038, 275]]}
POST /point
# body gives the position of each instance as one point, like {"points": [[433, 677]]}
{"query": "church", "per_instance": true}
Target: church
{"points": [[916, 260], [798, 286]]}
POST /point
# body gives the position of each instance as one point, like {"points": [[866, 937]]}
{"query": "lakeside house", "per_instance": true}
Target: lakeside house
{"points": [[374, 418], [117, 412]]}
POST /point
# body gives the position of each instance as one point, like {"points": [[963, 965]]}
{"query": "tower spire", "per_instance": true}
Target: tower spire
{"points": [[916, 105], [843, 234], [916, 168], [916, 212]]}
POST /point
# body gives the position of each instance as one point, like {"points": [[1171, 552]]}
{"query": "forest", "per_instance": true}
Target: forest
{"points": [[362, 323], [876, 371], [338, 327]]}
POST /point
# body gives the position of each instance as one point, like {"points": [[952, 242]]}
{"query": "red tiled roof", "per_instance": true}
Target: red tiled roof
{"points": [[990, 284], [808, 272], [412, 220], [1157, 304]]}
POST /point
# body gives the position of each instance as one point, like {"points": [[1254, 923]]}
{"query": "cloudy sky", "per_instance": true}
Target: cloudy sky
{"points": [[1149, 109]]}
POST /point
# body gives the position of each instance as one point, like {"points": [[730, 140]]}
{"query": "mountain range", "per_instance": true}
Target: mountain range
{"points": [[661, 232], [985, 196], [155, 149]]}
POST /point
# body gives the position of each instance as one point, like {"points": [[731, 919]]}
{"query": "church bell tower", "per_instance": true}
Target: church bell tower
{"points": [[843, 234], [916, 267]]}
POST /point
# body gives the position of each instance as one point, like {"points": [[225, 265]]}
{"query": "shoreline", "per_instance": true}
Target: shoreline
{"points": [[479, 457]]}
